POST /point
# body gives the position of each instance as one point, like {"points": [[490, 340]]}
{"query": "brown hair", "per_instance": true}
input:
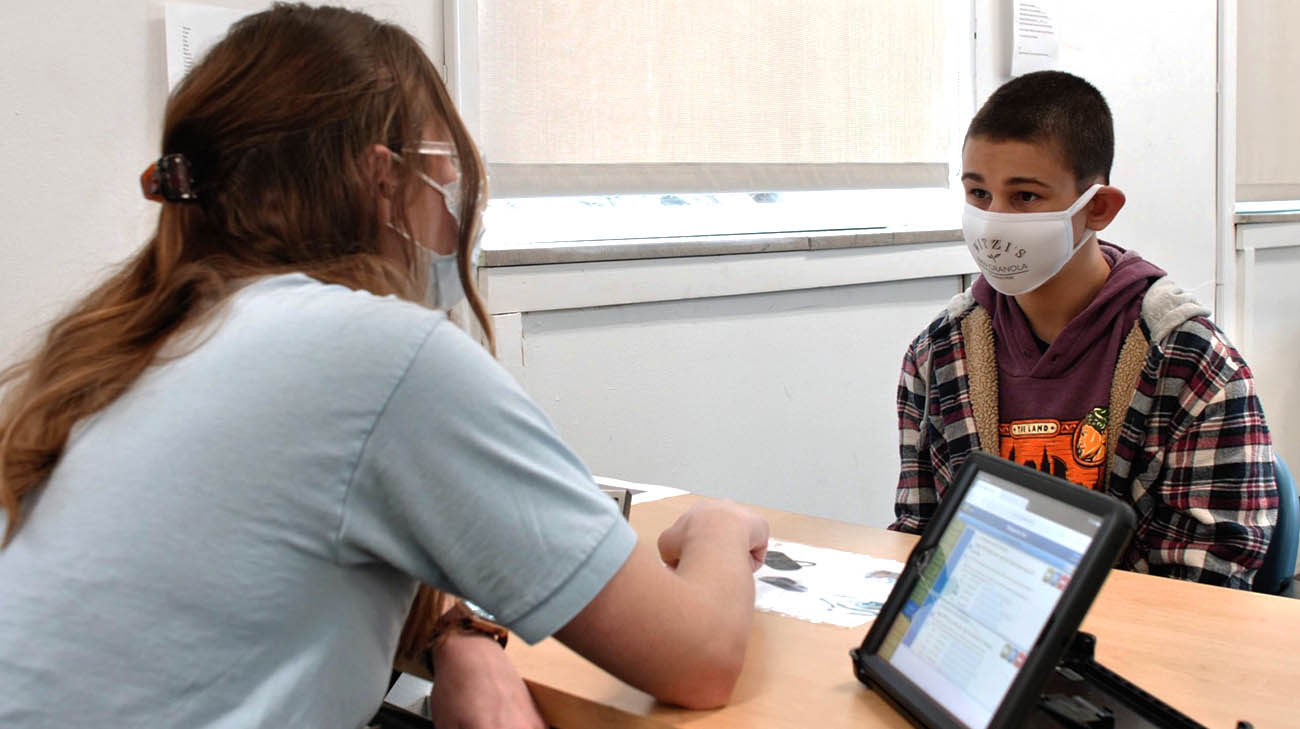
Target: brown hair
{"points": [[275, 123], [1057, 109]]}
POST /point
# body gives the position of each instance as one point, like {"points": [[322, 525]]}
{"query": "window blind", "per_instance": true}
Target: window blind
{"points": [[615, 96], [1268, 100]]}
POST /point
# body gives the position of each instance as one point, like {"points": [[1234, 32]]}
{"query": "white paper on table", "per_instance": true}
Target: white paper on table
{"points": [[411, 693], [642, 493], [191, 31], [1035, 41], [828, 585]]}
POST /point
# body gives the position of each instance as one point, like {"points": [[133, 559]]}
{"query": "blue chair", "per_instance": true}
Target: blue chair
{"points": [[1275, 576]]}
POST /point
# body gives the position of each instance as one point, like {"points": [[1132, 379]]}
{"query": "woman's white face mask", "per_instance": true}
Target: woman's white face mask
{"points": [[445, 289], [1018, 252]]}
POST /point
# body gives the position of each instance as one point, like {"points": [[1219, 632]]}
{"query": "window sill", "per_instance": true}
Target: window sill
{"points": [[710, 245], [1292, 216]]}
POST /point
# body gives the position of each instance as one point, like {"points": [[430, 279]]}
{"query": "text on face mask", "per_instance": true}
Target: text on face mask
{"points": [[995, 247], [988, 251]]}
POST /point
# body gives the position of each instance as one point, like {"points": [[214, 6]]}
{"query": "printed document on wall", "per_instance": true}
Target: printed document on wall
{"points": [[1035, 36], [191, 30]]}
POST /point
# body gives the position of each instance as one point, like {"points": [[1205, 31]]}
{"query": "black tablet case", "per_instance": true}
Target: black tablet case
{"points": [[1067, 616]]}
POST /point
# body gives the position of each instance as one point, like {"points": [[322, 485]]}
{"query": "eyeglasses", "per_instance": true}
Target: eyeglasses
{"points": [[450, 191], [435, 149], [431, 147]]}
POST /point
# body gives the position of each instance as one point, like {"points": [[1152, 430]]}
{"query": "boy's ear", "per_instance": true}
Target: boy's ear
{"points": [[1104, 206]]}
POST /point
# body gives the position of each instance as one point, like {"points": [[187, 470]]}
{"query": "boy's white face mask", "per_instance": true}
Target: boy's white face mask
{"points": [[1018, 252]]}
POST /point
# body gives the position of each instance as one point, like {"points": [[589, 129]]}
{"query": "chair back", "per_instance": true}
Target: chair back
{"points": [[1280, 560]]}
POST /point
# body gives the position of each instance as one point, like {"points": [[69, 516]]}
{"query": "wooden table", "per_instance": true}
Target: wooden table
{"points": [[1218, 655]]}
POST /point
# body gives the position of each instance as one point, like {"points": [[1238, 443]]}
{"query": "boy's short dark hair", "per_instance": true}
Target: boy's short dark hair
{"points": [[1056, 108]]}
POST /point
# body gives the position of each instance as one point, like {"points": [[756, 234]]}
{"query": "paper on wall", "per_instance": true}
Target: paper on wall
{"points": [[191, 30], [1035, 41], [823, 585]]}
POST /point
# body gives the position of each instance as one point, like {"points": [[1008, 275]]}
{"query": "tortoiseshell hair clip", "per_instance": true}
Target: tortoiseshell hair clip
{"points": [[170, 179]]}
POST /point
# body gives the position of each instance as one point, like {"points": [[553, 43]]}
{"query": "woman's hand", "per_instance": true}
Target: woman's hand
{"points": [[706, 514], [476, 687]]}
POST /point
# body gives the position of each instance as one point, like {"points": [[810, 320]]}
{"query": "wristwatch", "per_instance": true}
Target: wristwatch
{"points": [[465, 619]]}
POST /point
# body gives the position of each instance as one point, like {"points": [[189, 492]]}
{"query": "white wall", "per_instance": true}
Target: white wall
{"points": [[1157, 68], [1268, 263], [84, 85], [1274, 346], [780, 398]]}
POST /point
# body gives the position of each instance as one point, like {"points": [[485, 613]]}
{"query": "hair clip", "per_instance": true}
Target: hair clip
{"points": [[170, 179]]}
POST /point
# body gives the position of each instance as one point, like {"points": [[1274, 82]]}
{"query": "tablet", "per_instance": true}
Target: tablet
{"points": [[991, 595]]}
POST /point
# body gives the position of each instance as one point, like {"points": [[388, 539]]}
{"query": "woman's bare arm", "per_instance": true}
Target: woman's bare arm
{"points": [[676, 625]]}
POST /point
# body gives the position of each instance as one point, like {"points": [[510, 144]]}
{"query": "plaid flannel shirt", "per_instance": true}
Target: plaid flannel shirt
{"points": [[1194, 457]]}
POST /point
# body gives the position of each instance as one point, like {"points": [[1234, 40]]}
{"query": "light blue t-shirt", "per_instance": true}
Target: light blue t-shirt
{"points": [[235, 541]]}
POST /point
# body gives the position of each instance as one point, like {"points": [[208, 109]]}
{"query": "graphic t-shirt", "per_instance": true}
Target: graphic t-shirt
{"points": [[1053, 402], [1074, 450]]}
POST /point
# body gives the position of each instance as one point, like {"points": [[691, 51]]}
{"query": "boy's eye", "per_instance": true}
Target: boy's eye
{"points": [[977, 193], [1025, 196]]}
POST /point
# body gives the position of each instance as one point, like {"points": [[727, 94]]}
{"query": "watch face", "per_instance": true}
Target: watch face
{"points": [[476, 610]]}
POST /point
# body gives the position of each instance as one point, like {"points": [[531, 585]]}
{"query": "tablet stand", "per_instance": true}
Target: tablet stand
{"points": [[1083, 694]]}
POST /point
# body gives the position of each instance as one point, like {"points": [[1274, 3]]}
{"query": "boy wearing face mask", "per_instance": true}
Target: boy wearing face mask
{"points": [[1081, 359]]}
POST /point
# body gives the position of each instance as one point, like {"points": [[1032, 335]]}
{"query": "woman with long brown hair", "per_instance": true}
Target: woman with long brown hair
{"points": [[226, 470]]}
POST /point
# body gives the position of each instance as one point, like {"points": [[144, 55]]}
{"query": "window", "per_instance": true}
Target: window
{"points": [[1268, 103], [645, 119]]}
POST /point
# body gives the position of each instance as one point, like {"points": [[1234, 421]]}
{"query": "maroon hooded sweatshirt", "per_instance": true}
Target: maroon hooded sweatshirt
{"points": [[1053, 400]]}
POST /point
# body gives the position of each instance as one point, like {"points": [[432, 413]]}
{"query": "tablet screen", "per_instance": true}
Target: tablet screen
{"points": [[981, 602]]}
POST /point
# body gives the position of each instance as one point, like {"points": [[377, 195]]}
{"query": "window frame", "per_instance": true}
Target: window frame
{"points": [[461, 53]]}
